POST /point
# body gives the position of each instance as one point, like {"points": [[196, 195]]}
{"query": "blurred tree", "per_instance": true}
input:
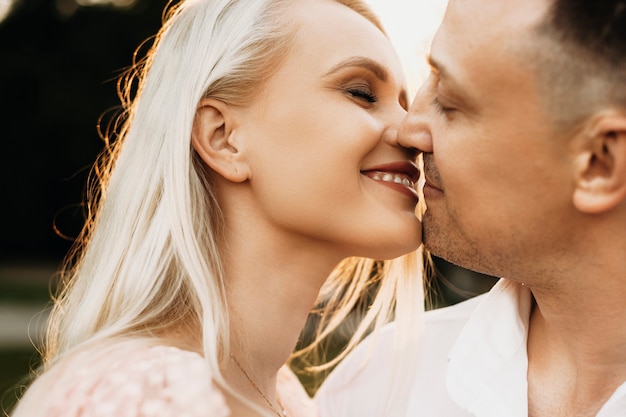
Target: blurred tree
{"points": [[59, 63]]}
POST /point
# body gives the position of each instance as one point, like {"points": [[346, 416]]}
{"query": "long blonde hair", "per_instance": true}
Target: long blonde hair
{"points": [[148, 259]]}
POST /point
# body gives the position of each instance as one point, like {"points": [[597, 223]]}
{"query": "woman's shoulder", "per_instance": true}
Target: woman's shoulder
{"points": [[126, 380]]}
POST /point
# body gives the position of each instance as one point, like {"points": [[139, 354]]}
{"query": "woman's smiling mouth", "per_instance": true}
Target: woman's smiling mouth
{"points": [[400, 176]]}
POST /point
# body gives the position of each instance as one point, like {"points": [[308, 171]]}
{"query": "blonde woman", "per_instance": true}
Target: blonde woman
{"points": [[258, 155]]}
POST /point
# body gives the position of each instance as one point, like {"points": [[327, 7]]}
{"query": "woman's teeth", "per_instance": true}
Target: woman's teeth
{"points": [[396, 178]]}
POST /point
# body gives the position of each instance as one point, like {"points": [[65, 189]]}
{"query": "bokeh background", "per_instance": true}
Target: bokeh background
{"points": [[59, 61]]}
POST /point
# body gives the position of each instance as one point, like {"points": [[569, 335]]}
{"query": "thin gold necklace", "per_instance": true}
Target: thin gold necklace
{"points": [[281, 413]]}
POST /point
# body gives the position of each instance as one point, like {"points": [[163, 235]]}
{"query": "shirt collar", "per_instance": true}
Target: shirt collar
{"points": [[616, 405], [488, 362]]}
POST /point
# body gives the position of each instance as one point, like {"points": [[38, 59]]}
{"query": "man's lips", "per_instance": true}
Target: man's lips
{"points": [[431, 175], [401, 176], [431, 190], [429, 183]]}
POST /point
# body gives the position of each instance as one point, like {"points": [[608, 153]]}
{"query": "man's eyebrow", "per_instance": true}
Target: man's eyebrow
{"points": [[374, 67], [436, 66], [452, 80]]}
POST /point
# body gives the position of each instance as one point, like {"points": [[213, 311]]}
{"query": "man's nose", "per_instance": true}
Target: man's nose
{"points": [[415, 129]]}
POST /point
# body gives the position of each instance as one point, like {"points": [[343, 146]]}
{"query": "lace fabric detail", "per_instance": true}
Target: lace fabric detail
{"points": [[134, 379], [121, 382]]}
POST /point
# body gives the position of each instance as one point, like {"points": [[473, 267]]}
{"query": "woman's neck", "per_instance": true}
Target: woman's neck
{"points": [[271, 288]]}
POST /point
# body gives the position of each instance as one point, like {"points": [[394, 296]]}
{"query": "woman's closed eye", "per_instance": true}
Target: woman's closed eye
{"points": [[362, 92]]}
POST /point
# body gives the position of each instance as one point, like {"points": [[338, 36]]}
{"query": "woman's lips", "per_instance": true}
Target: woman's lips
{"points": [[400, 176]]}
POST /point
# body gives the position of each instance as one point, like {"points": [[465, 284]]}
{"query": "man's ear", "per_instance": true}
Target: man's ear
{"points": [[215, 138], [601, 165]]}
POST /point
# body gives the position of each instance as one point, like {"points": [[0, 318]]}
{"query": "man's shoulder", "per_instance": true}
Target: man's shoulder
{"points": [[457, 314], [380, 360], [439, 326]]}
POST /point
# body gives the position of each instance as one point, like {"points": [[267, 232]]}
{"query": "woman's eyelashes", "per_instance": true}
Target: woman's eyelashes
{"points": [[362, 92]]}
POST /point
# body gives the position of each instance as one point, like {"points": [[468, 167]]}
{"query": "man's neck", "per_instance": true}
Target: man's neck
{"points": [[576, 348]]}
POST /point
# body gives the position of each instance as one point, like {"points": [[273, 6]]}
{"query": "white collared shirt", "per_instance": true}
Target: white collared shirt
{"points": [[471, 361]]}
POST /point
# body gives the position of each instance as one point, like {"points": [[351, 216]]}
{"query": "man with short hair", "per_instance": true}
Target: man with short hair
{"points": [[522, 128]]}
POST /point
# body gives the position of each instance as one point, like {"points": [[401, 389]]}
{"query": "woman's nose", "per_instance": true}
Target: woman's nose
{"points": [[396, 116]]}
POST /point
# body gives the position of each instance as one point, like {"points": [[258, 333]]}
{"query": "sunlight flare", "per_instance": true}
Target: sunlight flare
{"points": [[411, 26]]}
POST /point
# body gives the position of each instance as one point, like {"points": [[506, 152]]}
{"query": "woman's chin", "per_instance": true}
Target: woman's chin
{"points": [[396, 245]]}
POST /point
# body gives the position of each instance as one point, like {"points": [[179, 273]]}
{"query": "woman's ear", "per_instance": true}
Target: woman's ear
{"points": [[215, 138], [601, 165]]}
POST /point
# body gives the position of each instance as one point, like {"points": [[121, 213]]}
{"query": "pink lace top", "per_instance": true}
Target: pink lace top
{"points": [[127, 380]]}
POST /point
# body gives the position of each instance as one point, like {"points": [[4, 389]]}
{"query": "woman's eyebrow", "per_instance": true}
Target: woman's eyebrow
{"points": [[374, 67]]}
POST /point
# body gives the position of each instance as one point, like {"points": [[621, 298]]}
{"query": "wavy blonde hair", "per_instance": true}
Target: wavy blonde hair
{"points": [[148, 260]]}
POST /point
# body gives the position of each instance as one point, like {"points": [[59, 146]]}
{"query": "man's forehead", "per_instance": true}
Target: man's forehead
{"points": [[477, 58], [484, 29], [488, 16]]}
